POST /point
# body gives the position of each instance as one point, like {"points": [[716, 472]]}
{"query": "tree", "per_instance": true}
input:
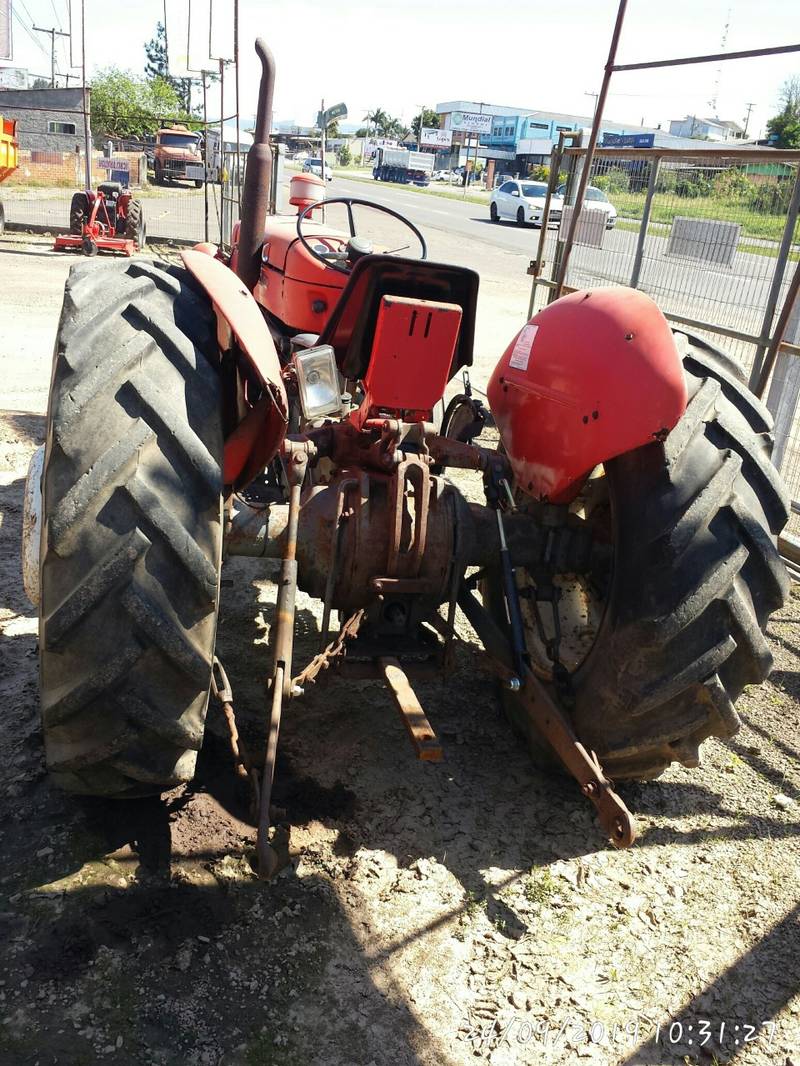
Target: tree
{"points": [[126, 106], [157, 66], [426, 117], [784, 128], [377, 119]]}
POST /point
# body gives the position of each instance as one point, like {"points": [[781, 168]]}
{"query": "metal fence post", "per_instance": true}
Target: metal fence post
{"points": [[648, 203], [573, 168], [784, 391], [777, 280]]}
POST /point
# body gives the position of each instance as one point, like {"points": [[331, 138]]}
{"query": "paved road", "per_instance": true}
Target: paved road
{"points": [[461, 232]]}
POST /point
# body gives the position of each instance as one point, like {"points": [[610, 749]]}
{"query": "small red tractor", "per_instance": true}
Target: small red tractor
{"points": [[619, 575], [109, 220]]}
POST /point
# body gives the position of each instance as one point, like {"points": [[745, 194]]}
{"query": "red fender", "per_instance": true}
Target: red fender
{"points": [[259, 435], [593, 375]]}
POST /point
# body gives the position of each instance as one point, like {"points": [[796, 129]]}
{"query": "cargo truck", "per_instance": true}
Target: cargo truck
{"points": [[403, 166]]}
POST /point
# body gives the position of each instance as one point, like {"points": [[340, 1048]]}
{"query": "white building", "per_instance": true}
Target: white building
{"points": [[712, 129]]}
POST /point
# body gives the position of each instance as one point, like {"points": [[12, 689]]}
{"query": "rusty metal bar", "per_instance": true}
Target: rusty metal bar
{"points": [[777, 280], [583, 180], [555, 166], [750, 53], [553, 724], [780, 329], [297, 462], [655, 163], [422, 736]]}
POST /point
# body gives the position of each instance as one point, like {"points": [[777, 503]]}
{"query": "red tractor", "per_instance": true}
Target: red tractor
{"points": [[620, 574], [109, 219]]}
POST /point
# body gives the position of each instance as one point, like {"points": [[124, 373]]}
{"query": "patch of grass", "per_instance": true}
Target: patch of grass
{"points": [[473, 904], [666, 207], [539, 887]]}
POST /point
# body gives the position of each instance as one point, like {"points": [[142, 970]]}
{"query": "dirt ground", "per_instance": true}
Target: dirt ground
{"points": [[431, 914]]}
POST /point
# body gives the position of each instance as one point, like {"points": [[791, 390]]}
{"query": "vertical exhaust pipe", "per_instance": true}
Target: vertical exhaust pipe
{"points": [[257, 177]]}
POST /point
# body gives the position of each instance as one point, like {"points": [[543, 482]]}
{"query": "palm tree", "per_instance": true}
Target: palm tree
{"points": [[378, 118]]}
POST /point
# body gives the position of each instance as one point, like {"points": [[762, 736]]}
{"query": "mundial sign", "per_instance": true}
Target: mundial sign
{"points": [[471, 122]]}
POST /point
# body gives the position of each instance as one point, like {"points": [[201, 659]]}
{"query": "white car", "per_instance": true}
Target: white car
{"points": [[523, 201], [596, 200], [314, 166]]}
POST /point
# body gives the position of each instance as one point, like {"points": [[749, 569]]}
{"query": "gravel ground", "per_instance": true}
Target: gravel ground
{"points": [[430, 914]]}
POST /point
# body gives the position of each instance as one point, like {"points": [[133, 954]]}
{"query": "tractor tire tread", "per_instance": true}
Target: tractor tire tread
{"points": [[697, 575], [132, 544]]}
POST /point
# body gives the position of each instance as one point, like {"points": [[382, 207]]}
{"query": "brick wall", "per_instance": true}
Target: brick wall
{"points": [[47, 167]]}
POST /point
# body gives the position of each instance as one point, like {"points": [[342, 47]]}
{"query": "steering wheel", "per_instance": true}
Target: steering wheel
{"points": [[356, 246]]}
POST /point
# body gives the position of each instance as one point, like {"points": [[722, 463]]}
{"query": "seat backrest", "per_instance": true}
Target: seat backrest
{"points": [[351, 327]]}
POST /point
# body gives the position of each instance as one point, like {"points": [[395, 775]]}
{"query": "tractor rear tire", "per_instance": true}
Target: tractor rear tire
{"points": [[695, 577], [79, 211], [134, 224], [132, 533]]}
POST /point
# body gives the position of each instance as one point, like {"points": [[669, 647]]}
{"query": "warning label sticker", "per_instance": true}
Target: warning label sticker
{"points": [[521, 352]]}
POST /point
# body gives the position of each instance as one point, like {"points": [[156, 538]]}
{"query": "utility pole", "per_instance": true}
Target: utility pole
{"points": [[419, 126], [53, 34], [747, 118]]}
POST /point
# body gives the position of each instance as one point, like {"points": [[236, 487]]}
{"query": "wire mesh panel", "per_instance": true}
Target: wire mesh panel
{"points": [[172, 212], [713, 238]]}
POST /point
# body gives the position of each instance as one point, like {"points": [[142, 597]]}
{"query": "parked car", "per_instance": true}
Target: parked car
{"points": [[523, 201], [596, 200], [314, 166]]}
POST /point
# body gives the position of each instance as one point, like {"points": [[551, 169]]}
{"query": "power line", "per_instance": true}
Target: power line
{"points": [[58, 20], [25, 27], [53, 34]]}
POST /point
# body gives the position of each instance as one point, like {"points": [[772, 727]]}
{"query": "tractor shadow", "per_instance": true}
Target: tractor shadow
{"points": [[155, 897]]}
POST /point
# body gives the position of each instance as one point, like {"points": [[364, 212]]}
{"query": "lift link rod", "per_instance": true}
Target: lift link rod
{"points": [[553, 724], [296, 455]]}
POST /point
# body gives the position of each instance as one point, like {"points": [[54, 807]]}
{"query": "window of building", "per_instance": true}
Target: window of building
{"points": [[566, 129], [61, 127], [539, 125], [509, 131]]}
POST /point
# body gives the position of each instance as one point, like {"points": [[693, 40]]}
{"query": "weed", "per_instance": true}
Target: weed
{"points": [[539, 887]]}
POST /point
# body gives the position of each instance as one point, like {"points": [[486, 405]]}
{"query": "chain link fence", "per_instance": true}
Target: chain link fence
{"points": [[176, 212], [712, 237]]}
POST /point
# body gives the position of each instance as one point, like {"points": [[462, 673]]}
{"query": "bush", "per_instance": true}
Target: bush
{"points": [[732, 185], [539, 172], [771, 198], [614, 180], [667, 179], [692, 183], [345, 156]]}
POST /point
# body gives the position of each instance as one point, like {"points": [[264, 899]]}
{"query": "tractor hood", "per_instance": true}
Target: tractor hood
{"points": [[282, 245]]}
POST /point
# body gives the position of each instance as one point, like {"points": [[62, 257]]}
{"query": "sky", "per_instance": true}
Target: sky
{"points": [[401, 54]]}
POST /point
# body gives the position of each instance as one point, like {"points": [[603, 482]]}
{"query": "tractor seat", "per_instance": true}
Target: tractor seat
{"points": [[110, 189], [350, 330]]}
